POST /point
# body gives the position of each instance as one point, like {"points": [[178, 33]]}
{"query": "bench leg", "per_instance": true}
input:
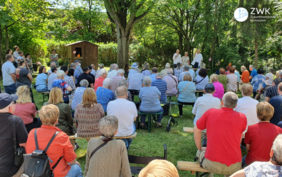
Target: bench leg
{"points": [[149, 123]]}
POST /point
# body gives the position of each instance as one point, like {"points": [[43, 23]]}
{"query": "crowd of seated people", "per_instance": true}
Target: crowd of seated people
{"points": [[229, 122]]}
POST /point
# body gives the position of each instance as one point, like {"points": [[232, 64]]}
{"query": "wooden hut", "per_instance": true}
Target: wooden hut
{"points": [[85, 51]]}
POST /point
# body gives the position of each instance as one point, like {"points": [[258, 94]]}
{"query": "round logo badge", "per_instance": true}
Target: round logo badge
{"points": [[241, 14]]}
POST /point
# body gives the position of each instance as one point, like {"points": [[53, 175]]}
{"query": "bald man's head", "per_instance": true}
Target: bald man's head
{"points": [[121, 92]]}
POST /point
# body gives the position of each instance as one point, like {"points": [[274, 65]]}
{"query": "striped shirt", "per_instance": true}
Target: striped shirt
{"points": [[177, 72], [258, 81], [272, 91], [162, 86]]}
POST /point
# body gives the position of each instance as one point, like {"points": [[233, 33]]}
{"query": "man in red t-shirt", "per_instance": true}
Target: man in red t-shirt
{"points": [[224, 133], [260, 136]]}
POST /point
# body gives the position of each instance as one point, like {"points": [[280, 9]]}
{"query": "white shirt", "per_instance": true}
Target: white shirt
{"points": [[51, 78], [247, 106], [204, 103], [185, 60], [135, 81], [125, 111], [112, 74], [177, 59], [198, 58]]}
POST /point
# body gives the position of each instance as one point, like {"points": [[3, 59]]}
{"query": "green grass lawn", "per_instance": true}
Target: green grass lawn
{"points": [[180, 145]]}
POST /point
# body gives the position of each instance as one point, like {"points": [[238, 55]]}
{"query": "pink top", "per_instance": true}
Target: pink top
{"points": [[98, 83], [25, 111], [219, 90]]}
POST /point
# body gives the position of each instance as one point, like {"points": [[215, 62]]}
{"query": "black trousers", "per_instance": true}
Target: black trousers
{"points": [[196, 65], [175, 65], [35, 124], [180, 107]]}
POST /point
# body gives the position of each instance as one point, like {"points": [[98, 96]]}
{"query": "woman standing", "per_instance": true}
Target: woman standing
{"points": [[232, 80], [88, 114], [245, 74], [29, 62], [54, 58]]}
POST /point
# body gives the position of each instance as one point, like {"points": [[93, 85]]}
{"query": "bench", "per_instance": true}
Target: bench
{"points": [[44, 94], [191, 130], [194, 167], [149, 119], [73, 137]]}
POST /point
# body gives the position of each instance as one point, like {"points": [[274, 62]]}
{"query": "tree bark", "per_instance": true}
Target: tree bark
{"points": [[123, 48], [214, 33], [256, 53], [7, 38], [180, 42], [1, 49]]}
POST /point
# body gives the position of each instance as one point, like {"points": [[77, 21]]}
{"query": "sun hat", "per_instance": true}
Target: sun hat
{"points": [[134, 65]]}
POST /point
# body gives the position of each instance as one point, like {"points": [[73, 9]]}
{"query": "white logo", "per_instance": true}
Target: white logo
{"points": [[241, 14]]}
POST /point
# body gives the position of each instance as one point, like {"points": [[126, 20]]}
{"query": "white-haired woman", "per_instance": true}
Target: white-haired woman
{"points": [[59, 82], [112, 153], [150, 101], [25, 109], [104, 94], [78, 94], [271, 168], [99, 81]]}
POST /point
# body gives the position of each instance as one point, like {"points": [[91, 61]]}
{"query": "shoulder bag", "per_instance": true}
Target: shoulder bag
{"points": [[99, 147], [19, 151], [183, 90], [176, 84]]}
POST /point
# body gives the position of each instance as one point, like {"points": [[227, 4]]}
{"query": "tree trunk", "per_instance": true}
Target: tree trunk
{"points": [[256, 53], [180, 43], [123, 48], [1, 49], [214, 33], [7, 38]]}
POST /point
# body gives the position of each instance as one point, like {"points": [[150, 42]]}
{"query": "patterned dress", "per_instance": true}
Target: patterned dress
{"points": [[88, 120]]}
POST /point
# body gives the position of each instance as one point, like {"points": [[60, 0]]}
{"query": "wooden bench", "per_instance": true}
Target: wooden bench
{"points": [[73, 137], [194, 167], [191, 130]]}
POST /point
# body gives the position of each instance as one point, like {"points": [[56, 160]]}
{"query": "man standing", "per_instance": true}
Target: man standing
{"points": [[78, 66], [205, 102], [276, 103], [126, 113], [9, 76], [171, 82], [116, 80], [198, 58], [85, 75], [52, 77], [176, 58], [253, 72], [185, 59], [225, 129]]}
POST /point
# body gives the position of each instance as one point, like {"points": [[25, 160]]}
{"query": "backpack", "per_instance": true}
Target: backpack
{"points": [[37, 163]]}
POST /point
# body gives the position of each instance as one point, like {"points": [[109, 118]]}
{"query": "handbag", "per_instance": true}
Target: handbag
{"points": [[183, 90], [20, 151]]}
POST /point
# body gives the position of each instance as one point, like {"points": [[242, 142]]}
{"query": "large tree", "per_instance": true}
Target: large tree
{"points": [[125, 14]]}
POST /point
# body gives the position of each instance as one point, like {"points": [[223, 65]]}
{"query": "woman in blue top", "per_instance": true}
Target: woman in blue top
{"points": [[41, 80], [150, 101], [104, 94], [187, 90]]}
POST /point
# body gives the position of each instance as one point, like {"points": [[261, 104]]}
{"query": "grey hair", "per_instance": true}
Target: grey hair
{"points": [[167, 65], [138, 70], [60, 74], [280, 72], [230, 100], [190, 66], [120, 71], [158, 75], [107, 82], [213, 78], [123, 82], [121, 91], [170, 71], [186, 68], [277, 150], [108, 126], [72, 65], [84, 83], [113, 66], [147, 81], [251, 66], [102, 71], [234, 66]]}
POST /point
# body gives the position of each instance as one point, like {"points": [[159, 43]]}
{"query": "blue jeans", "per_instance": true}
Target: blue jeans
{"points": [[75, 171], [128, 141], [10, 89], [159, 117], [42, 90], [244, 163]]}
